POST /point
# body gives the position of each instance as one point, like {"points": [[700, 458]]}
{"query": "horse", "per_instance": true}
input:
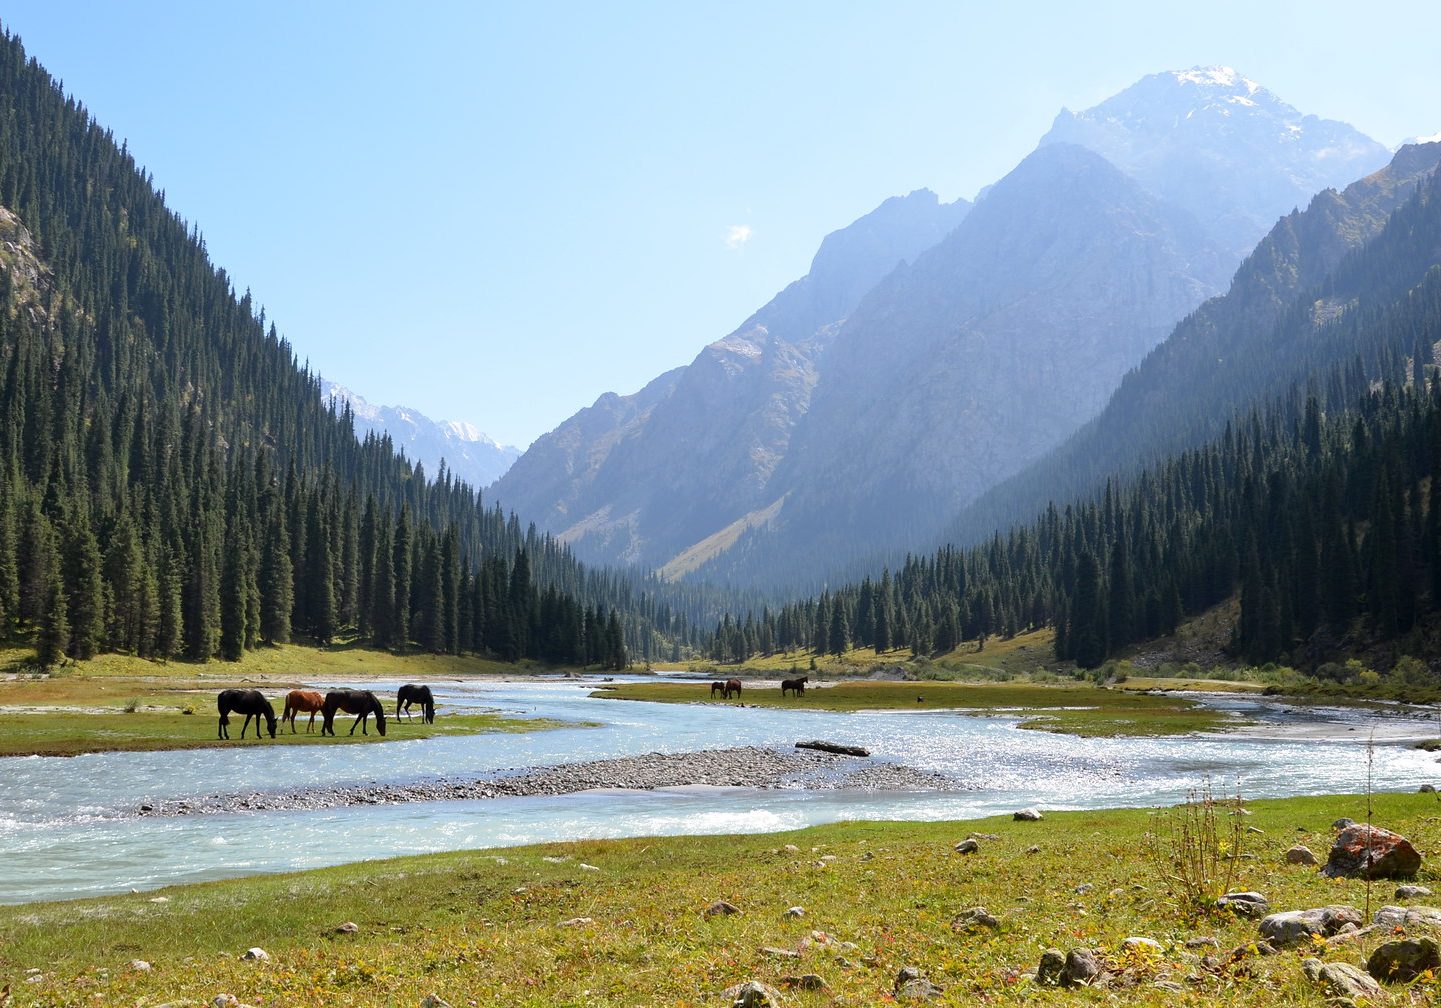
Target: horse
{"points": [[302, 702], [796, 686], [251, 703], [718, 686], [732, 686], [352, 701], [409, 694]]}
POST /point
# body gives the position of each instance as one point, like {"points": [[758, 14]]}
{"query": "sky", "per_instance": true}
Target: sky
{"points": [[497, 212]]}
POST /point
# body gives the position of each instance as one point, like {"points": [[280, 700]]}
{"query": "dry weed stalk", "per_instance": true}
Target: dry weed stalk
{"points": [[1197, 847]]}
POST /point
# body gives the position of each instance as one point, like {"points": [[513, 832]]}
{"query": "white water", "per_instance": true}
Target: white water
{"points": [[66, 832]]}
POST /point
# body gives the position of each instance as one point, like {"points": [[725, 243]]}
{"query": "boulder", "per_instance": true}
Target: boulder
{"points": [[1301, 854], [912, 984], [1245, 904], [973, 918], [1296, 926], [1370, 852], [1048, 973], [720, 908], [1338, 980], [1407, 892], [1082, 968], [1028, 815], [1403, 961], [752, 994], [1407, 917], [968, 846]]}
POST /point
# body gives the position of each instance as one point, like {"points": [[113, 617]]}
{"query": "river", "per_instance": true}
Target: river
{"points": [[68, 830]]}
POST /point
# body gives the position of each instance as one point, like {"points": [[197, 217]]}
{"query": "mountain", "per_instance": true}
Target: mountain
{"points": [[641, 478], [469, 454], [1222, 147], [1264, 339]]}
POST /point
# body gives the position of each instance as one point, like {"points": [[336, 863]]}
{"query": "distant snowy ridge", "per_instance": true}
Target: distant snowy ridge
{"points": [[469, 453]]}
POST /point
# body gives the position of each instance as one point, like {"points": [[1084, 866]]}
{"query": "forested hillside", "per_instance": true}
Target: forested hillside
{"points": [[171, 482]]}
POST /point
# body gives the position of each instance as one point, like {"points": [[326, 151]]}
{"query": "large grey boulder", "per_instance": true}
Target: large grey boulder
{"points": [[1407, 917], [1404, 960], [1339, 980], [912, 984], [1296, 926]]}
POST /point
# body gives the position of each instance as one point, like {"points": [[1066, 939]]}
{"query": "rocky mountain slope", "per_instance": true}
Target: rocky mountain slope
{"points": [[469, 454]]}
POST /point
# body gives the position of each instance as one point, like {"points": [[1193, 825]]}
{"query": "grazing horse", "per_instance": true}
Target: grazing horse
{"points": [[251, 703], [796, 686], [732, 686], [409, 694], [718, 686], [352, 701], [302, 702]]}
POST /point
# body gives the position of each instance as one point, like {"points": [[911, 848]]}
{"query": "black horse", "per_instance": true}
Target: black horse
{"points": [[796, 686], [409, 694], [352, 701], [251, 703]]}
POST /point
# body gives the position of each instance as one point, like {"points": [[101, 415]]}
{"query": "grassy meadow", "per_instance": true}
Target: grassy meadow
{"points": [[531, 927]]}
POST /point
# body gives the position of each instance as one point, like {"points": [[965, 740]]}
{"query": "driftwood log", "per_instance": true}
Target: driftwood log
{"points": [[834, 747]]}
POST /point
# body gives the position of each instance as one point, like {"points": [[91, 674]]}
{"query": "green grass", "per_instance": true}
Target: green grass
{"points": [[1076, 710], [489, 928]]}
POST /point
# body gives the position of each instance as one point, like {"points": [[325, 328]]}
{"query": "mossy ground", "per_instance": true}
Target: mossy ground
{"points": [[1073, 709], [491, 928]]}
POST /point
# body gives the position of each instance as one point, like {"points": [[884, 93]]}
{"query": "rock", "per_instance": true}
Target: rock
{"points": [[1148, 945], [1203, 942], [1295, 926], [160, 899], [1048, 973], [780, 953], [1245, 904], [1033, 849], [1255, 829], [1371, 852], [806, 981], [752, 994], [587, 867], [1426, 789], [912, 984], [983, 836], [1403, 961], [1407, 917], [224, 1001], [1082, 968], [257, 953], [139, 966], [1338, 980], [834, 747], [794, 911], [720, 908], [791, 848], [968, 846], [973, 918], [1301, 854], [1343, 823], [577, 922], [1028, 815], [349, 927], [1407, 892], [434, 1001]]}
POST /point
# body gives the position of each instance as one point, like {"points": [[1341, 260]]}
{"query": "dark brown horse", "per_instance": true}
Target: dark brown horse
{"points": [[251, 703], [409, 694], [796, 686], [718, 686], [299, 701], [352, 701], [733, 686]]}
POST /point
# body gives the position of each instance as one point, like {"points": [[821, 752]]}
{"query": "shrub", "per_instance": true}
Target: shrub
{"points": [[1197, 847]]}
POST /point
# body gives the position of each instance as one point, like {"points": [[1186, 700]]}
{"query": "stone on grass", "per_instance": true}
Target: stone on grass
{"points": [[1403, 961], [794, 911], [752, 994], [587, 867], [139, 966], [968, 846], [1296, 926], [1245, 904], [349, 927], [721, 908], [1407, 892], [1339, 980], [780, 953], [1343, 823], [1370, 852], [1426, 789], [912, 984], [1205, 941], [257, 953], [434, 1001], [973, 918], [1147, 945], [576, 922], [1083, 968], [1301, 854], [1407, 917], [806, 981], [1031, 814], [1033, 849], [1048, 973]]}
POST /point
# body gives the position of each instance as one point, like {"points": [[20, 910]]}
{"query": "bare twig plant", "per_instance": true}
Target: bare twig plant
{"points": [[1197, 847]]}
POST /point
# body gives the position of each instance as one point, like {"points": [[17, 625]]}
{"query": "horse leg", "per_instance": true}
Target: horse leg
{"points": [[311, 727], [221, 731]]}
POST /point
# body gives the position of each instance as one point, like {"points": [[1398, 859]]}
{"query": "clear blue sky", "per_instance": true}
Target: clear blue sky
{"points": [[496, 212]]}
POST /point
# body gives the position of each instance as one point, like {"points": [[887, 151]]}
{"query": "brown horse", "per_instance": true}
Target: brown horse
{"points": [[718, 686], [733, 686], [302, 702], [251, 703], [796, 686], [352, 701]]}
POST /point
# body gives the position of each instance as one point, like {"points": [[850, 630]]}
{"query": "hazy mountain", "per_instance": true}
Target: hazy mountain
{"points": [[470, 454], [1221, 146], [641, 478], [1274, 332]]}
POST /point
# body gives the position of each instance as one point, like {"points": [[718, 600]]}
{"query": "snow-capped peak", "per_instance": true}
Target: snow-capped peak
{"points": [[1216, 76], [463, 430], [1433, 138]]}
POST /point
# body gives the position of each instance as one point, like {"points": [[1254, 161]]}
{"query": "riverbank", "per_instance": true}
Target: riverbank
{"points": [[625, 922]]}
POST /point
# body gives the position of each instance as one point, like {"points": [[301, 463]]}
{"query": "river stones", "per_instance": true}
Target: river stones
{"points": [[1245, 904], [1296, 926], [1340, 980], [1371, 852], [1302, 855], [1404, 960]]}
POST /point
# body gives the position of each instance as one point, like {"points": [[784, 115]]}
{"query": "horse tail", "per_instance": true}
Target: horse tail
{"points": [[429, 710]]}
